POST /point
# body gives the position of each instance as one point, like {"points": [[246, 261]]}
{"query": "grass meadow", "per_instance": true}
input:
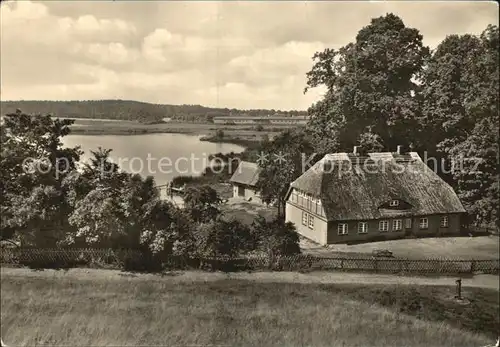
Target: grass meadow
{"points": [[480, 247], [128, 311]]}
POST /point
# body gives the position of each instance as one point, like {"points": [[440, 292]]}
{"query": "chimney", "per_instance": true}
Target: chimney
{"points": [[399, 150], [328, 166], [355, 151]]}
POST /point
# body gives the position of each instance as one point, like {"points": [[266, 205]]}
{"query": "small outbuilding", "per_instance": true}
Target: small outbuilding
{"points": [[244, 181]]}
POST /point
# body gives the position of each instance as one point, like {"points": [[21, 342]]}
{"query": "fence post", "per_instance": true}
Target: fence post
{"points": [[459, 289], [342, 263], [376, 265], [472, 267]]}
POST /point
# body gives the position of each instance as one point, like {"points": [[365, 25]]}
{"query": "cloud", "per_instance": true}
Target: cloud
{"points": [[288, 91], [270, 65], [169, 51], [227, 54], [107, 54], [89, 28], [23, 11], [26, 21], [39, 48], [158, 41]]}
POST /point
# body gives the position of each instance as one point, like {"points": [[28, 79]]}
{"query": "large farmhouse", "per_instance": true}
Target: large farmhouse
{"points": [[244, 181], [349, 197]]}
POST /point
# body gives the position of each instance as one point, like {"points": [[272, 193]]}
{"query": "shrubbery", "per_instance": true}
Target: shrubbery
{"points": [[101, 207]]}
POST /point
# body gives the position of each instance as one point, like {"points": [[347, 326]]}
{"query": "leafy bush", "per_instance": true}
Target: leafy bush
{"points": [[219, 134], [276, 237], [218, 238], [179, 181]]}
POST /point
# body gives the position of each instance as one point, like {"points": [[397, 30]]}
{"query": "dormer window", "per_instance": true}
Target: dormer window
{"points": [[394, 203]]}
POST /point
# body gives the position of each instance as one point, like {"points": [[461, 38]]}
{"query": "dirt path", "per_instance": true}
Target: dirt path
{"points": [[484, 281]]}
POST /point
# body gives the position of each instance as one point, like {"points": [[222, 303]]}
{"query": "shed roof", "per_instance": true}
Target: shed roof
{"points": [[247, 173], [355, 190]]}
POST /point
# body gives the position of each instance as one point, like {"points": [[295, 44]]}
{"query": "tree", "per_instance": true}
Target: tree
{"points": [[112, 208], [370, 142], [33, 167], [202, 203], [461, 118], [282, 161], [477, 177], [139, 200], [370, 87], [264, 138], [219, 134], [102, 170], [275, 237], [222, 238], [446, 82], [99, 219], [169, 230], [325, 126], [98, 215]]}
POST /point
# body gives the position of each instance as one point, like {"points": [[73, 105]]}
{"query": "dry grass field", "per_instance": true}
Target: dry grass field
{"points": [[130, 311], [481, 247]]}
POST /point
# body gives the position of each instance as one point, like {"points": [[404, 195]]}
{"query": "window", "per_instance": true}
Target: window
{"points": [[311, 222], [383, 225], [342, 229], [394, 203], [397, 225], [444, 222], [424, 223], [408, 223], [362, 227], [304, 218]]}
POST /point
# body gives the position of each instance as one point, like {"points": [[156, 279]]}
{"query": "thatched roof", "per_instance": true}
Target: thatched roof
{"points": [[247, 173], [354, 188]]}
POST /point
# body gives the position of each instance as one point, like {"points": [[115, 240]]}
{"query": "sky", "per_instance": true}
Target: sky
{"points": [[244, 55]]}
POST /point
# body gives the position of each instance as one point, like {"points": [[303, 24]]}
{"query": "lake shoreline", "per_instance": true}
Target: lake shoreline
{"points": [[162, 156], [233, 139], [105, 127], [241, 137], [131, 131]]}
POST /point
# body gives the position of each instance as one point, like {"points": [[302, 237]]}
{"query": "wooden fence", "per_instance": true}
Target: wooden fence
{"points": [[136, 260]]}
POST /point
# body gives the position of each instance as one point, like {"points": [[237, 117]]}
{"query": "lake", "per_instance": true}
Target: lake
{"points": [[162, 156]]}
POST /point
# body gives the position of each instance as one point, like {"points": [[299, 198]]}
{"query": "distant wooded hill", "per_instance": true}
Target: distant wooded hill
{"points": [[132, 110]]}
